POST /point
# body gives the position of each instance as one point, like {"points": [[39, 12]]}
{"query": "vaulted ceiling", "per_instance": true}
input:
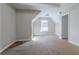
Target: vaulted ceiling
{"points": [[36, 6], [42, 6]]}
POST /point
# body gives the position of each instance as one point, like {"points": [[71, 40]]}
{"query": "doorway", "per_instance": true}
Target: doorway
{"points": [[65, 27]]}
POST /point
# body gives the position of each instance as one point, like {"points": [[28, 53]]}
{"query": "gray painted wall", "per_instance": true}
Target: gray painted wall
{"points": [[0, 26], [7, 25], [24, 24]]}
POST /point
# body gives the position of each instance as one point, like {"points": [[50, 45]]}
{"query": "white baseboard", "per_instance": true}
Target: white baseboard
{"points": [[7, 46], [73, 43], [23, 39]]}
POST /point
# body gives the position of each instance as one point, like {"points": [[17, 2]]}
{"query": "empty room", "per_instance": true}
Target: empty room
{"points": [[39, 29]]}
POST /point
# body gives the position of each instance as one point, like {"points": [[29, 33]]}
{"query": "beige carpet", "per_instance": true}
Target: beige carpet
{"points": [[44, 45]]}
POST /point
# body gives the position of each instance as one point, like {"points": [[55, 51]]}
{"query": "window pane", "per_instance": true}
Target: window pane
{"points": [[44, 25]]}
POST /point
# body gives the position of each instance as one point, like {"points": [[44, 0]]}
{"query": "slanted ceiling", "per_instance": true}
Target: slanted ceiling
{"points": [[35, 6]]}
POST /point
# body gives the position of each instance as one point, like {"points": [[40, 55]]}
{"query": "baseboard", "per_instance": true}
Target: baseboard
{"points": [[43, 34], [7, 46], [23, 40], [73, 43]]}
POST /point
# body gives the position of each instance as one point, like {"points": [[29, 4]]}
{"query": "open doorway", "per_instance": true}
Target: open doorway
{"points": [[65, 27]]}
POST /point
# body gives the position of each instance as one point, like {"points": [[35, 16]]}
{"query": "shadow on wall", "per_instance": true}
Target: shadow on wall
{"points": [[24, 21]]}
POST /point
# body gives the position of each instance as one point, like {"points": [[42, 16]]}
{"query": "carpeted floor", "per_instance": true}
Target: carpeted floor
{"points": [[42, 45]]}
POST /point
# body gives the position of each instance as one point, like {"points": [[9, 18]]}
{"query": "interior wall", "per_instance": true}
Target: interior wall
{"points": [[37, 26], [65, 26], [53, 13], [24, 24], [55, 16], [73, 26], [58, 25], [7, 25], [73, 19], [0, 26]]}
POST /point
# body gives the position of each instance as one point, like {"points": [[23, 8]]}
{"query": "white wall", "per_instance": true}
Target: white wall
{"points": [[7, 25], [24, 24], [73, 22], [37, 26], [74, 25], [25, 16], [56, 18]]}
